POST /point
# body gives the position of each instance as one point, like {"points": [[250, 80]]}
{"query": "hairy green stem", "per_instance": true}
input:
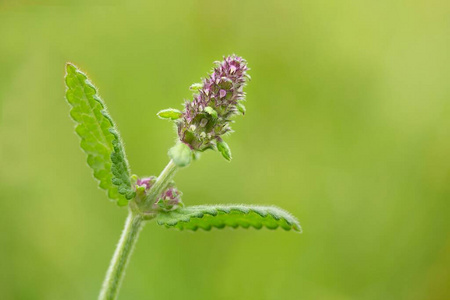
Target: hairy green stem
{"points": [[116, 270], [133, 225], [161, 183]]}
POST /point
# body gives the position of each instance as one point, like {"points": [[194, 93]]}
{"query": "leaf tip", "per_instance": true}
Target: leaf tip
{"points": [[297, 228], [70, 68]]}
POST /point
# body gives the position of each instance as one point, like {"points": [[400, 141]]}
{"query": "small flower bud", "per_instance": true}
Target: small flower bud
{"points": [[142, 186], [196, 86], [146, 182], [170, 114], [181, 154], [224, 149], [169, 200]]}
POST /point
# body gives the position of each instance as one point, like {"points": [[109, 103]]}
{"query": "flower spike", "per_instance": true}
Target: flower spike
{"points": [[216, 100]]}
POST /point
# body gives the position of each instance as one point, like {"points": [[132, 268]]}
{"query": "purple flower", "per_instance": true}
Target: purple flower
{"points": [[169, 200], [218, 98], [146, 182]]}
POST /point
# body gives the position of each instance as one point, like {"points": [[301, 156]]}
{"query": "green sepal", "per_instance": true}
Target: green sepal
{"points": [[196, 155], [169, 114], [220, 216], [100, 139], [211, 111], [224, 149], [181, 154], [196, 86], [241, 108]]}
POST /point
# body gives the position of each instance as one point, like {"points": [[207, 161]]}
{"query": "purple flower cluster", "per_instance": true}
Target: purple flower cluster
{"points": [[216, 100], [169, 200]]}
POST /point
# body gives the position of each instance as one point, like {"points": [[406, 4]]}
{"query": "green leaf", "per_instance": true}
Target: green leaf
{"points": [[170, 114], [100, 139], [219, 216], [181, 154], [224, 149]]}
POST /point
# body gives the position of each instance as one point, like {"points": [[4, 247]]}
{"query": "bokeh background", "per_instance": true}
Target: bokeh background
{"points": [[347, 127]]}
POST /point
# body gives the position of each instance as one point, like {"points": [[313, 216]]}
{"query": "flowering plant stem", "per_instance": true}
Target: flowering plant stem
{"points": [[116, 270], [200, 127], [133, 225]]}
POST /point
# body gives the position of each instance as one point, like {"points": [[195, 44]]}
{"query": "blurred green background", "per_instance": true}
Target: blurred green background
{"points": [[347, 127]]}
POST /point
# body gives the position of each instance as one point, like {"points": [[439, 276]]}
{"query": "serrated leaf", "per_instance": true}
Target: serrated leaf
{"points": [[169, 114], [220, 216], [100, 139]]}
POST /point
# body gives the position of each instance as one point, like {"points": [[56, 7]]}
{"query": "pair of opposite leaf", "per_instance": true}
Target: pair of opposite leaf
{"points": [[200, 126]]}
